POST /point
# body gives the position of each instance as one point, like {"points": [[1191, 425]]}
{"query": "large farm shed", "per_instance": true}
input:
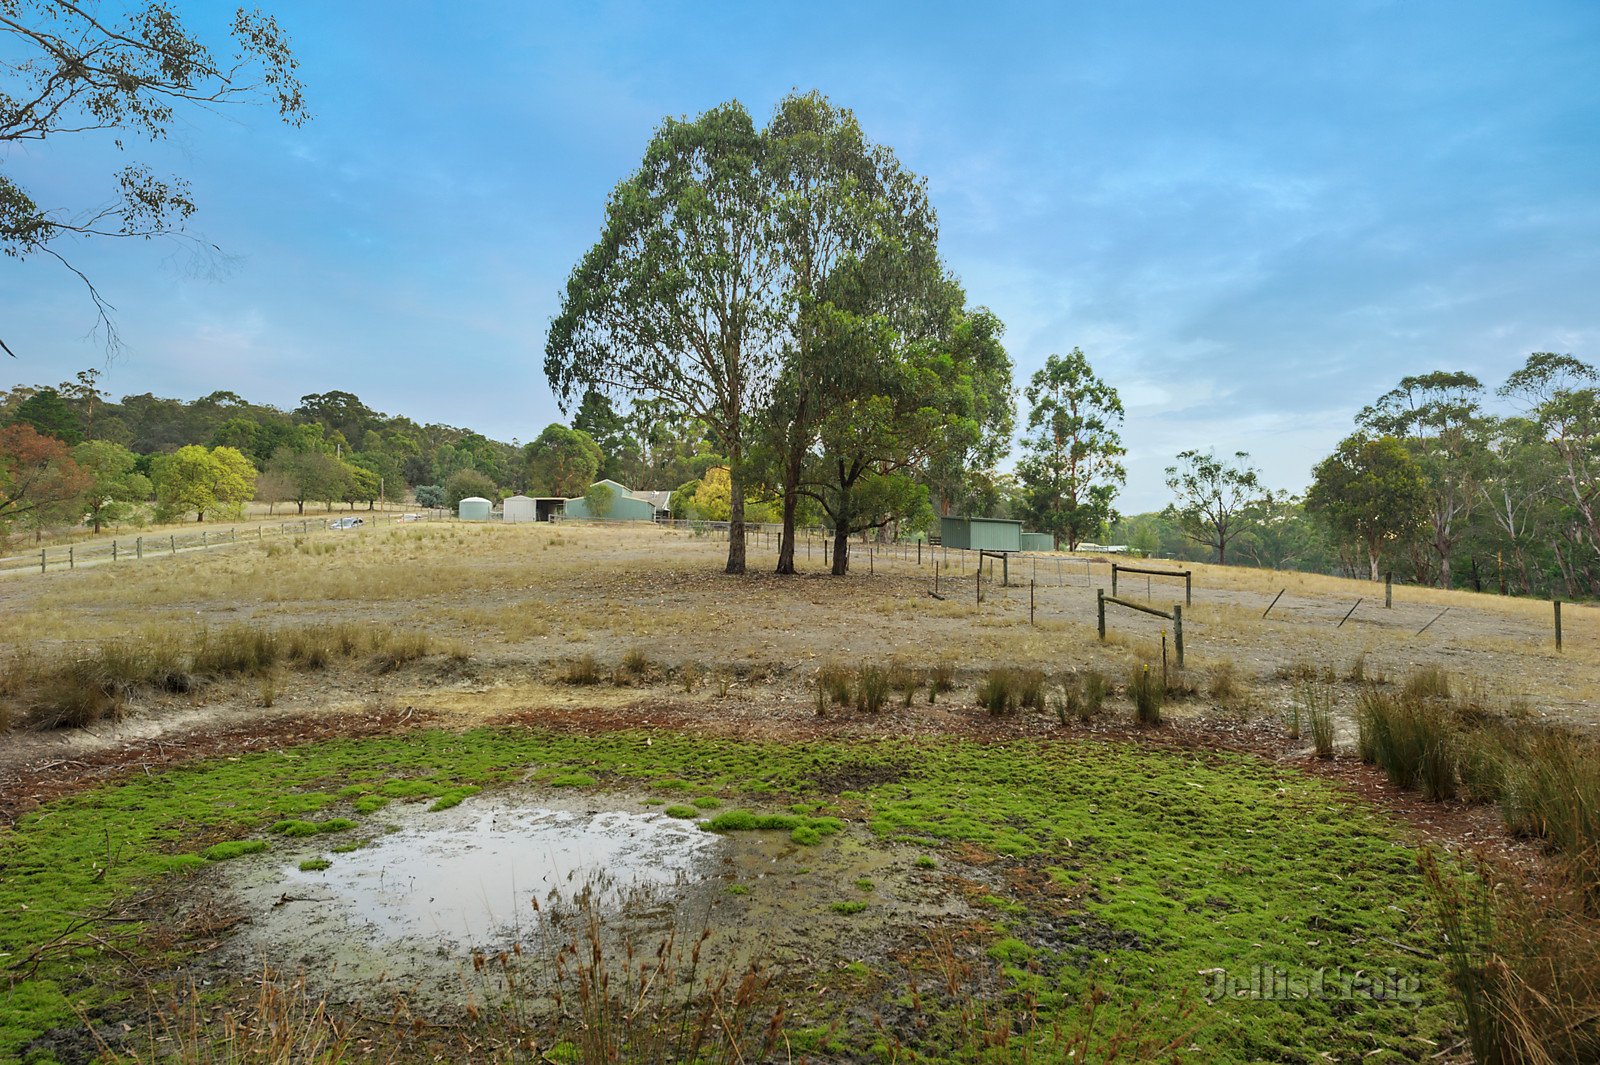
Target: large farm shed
{"points": [[1031, 541], [981, 534], [625, 505]]}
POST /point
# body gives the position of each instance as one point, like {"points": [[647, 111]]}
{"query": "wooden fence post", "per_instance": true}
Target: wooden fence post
{"points": [[1188, 599], [1388, 590], [1558, 624], [113, 550], [1030, 601], [1113, 578], [72, 561], [1177, 632], [138, 547], [1100, 604], [172, 542], [41, 560]]}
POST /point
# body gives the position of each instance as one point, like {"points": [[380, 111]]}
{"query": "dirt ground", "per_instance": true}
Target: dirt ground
{"points": [[518, 603]]}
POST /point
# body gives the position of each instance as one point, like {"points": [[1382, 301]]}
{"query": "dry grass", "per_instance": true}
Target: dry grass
{"points": [[547, 595], [96, 681]]}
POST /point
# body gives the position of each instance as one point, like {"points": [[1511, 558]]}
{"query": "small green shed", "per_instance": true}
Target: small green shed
{"points": [[1038, 541], [981, 534]]}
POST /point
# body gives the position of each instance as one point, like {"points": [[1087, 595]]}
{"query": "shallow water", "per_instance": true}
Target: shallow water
{"points": [[476, 879]]}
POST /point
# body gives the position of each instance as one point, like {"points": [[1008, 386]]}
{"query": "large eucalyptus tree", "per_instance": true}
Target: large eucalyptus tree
{"points": [[679, 299]]}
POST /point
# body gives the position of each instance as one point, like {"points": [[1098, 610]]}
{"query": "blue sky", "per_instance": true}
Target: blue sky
{"points": [[1254, 218]]}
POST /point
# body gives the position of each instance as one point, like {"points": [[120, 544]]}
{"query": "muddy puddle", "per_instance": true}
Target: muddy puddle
{"points": [[406, 911]]}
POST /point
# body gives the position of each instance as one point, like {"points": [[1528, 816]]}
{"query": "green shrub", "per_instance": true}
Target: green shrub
{"points": [[941, 679]]}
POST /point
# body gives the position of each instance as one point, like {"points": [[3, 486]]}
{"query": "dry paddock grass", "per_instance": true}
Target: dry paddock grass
{"points": [[522, 599]]}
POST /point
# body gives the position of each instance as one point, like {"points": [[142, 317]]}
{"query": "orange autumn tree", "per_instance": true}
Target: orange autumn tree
{"points": [[38, 479]]}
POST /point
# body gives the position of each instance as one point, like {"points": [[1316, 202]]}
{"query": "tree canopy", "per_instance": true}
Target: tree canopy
{"points": [[72, 68], [1073, 465]]}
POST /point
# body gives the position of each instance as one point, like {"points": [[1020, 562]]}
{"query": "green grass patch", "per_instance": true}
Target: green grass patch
{"points": [[684, 812], [708, 802], [233, 848], [1184, 861], [572, 780], [848, 908], [296, 828], [453, 797], [314, 865]]}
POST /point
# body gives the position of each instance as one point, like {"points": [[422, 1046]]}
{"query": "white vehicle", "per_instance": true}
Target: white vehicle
{"points": [[345, 523]]}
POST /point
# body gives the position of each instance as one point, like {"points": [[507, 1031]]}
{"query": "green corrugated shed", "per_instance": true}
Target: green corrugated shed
{"points": [[981, 534], [624, 506], [1037, 541]]}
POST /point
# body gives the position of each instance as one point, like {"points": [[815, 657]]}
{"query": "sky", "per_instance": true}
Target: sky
{"points": [[1253, 218]]}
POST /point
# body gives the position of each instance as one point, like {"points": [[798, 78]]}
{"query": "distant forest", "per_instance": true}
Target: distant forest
{"points": [[1431, 486]]}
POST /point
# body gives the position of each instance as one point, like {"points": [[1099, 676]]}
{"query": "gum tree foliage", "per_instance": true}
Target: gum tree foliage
{"points": [[1438, 417], [464, 484], [1214, 497], [1073, 466], [430, 495], [115, 487], [676, 300], [836, 199], [192, 478], [132, 70], [38, 476], [562, 461], [51, 415], [598, 500], [1371, 491], [1561, 395]]}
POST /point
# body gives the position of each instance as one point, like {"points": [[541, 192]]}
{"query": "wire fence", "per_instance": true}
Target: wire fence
{"points": [[142, 546]]}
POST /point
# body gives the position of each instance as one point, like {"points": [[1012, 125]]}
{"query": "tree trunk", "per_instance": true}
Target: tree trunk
{"points": [[841, 549], [791, 500], [735, 517], [1374, 557], [301, 504]]}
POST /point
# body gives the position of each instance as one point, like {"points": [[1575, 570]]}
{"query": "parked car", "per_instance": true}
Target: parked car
{"points": [[411, 517], [345, 523]]}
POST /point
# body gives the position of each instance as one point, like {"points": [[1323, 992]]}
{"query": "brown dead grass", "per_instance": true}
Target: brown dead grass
{"points": [[536, 595]]}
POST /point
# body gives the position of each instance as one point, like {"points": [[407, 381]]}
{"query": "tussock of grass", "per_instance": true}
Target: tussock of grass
{"points": [[1145, 689], [96, 684], [836, 683], [872, 688], [583, 671], [314, 865], [1005, 690], [685, 813]]}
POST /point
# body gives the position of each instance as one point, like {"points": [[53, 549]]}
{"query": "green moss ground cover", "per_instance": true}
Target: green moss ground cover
{"points": [[1180, 864]]}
